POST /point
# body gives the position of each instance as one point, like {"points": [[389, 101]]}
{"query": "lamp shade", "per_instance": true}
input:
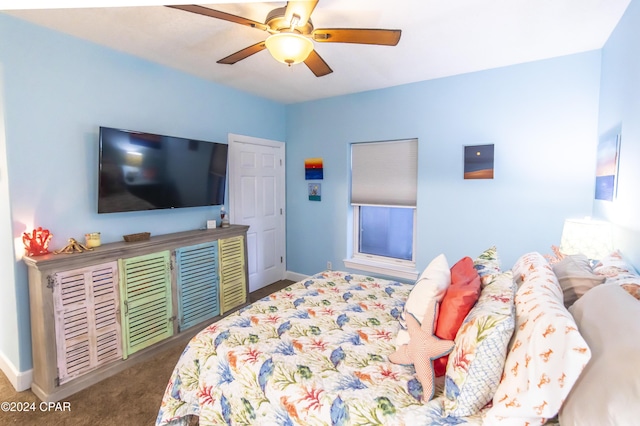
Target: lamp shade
{"points": [[289, 48], [592, 238]]}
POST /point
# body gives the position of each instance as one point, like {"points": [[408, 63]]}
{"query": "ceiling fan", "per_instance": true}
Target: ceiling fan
{"points": [[291, 34]]}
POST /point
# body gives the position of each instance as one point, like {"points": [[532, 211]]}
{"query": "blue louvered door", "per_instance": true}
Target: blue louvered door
{"points": [[145, 293], [197, 276]]}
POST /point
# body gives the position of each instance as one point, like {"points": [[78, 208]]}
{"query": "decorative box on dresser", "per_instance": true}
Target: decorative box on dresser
{"points": [[96, 313]]}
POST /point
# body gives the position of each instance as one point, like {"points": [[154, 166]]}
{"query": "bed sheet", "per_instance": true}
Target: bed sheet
{"points": [[314, 353]]}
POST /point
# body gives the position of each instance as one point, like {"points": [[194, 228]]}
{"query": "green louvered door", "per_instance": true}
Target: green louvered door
{"points": [[197, 274], [145, 292], [233, 284], [86, 319]]}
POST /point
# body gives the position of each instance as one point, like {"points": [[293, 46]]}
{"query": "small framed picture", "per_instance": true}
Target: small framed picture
{"points": [[478, 162], [607, 168], [315, 192], [313, 169]]}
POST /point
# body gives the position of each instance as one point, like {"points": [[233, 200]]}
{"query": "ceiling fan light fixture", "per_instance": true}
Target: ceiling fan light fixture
{"points": [[288, 47]]}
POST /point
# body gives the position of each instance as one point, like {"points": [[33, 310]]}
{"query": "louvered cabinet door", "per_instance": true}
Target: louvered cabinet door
{"points": [[233, 284], [86, 319], [197, 279], [145, 292]]}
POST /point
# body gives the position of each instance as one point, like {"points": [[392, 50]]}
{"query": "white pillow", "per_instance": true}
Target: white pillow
{"points": [[431, 285], [608, 390]]}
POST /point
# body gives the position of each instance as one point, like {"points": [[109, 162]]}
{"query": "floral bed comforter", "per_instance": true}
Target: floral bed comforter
{"points": [[314, 353]]}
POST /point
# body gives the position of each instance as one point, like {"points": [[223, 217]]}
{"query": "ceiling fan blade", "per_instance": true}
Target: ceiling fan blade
{"points": [[302, 8], [243, 54], [358, 35], [317, 65], [201, 10]]}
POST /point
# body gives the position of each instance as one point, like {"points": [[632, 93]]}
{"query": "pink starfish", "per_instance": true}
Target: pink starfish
{"points": [[422, 349]]}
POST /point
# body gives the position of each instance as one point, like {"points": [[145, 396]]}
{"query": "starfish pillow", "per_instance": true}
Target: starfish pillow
{"points": [[423, 348]]}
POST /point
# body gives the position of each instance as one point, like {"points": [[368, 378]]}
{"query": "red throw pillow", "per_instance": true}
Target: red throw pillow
{"points": [[460, 297], [463, 271]]}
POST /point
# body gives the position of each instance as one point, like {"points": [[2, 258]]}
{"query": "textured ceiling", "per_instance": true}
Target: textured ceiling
{"points": [[439, 38]]}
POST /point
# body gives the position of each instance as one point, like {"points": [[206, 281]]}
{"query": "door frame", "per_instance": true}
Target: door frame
{"points": [[235, 141]]}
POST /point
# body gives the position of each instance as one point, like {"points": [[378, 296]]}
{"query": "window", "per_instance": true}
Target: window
{"points": [[386, 232], [383, 199]]}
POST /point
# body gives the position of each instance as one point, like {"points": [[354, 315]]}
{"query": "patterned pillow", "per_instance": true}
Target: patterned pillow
{"points": [[487, 264], [575, 277], [431, 286], [475, 366], [546, 354], [632, 289], [616, 270], [556, 257]]}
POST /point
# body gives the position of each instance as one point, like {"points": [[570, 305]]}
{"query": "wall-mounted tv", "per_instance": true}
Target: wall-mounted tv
{"points": [[145, 171]]}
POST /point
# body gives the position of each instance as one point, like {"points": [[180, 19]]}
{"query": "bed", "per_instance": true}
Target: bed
{"points": [[317, 353], [312, 351]]}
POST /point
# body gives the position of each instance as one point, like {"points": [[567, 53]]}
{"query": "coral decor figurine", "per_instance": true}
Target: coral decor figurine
{"points": [[72, 246], [37, 242]]}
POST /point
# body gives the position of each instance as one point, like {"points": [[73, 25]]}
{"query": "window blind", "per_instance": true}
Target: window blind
{"points": [[384, 173]]}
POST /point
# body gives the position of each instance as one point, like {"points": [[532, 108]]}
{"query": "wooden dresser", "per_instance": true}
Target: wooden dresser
{"points": [[96, 313]]}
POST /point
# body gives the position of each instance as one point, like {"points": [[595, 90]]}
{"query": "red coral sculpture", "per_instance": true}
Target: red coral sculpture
{"points": [[37, 242]]}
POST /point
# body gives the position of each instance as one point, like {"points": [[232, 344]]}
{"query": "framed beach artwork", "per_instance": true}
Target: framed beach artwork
{"points": [[313, 169], [478, 162], [607, 168]]}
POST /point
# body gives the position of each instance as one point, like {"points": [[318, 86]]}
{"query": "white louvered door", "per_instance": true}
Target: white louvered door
{"points": [[86, 319]]}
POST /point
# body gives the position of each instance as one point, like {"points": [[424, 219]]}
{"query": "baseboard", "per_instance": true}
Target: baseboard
{"points": [[20, 380], [294, 276]]}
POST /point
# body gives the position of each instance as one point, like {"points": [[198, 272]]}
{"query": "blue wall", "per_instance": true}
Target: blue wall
{"points": [[57, 91], [541, 116], [620, 113]]}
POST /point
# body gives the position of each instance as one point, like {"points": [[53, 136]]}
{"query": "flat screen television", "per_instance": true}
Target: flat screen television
{"points": [[145, 171]]}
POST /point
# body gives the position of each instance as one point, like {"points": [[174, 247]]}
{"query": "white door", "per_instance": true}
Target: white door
{"points": [[257, 199]]}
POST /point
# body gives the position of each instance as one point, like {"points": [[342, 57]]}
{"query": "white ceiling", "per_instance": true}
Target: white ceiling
{"points": [[439, 38]]}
